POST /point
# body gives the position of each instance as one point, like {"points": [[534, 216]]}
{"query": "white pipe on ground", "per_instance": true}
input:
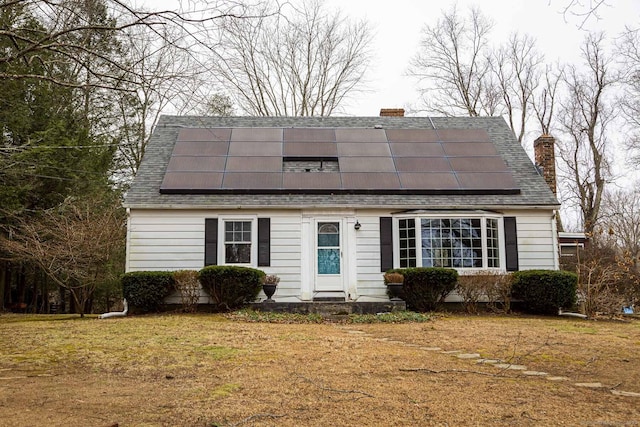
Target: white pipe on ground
{"points": [[116, 313], [564, 313]]}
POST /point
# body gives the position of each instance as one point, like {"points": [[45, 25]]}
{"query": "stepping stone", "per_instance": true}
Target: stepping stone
{"points": [[589, 385], [510, 366], [452, 352], [468, 356], [431, 348], [488, 361], [535, 373], [558, 378], [625, 393]]}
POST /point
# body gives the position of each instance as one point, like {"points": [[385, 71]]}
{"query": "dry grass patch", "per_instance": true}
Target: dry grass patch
{"points": [[207, 370]]}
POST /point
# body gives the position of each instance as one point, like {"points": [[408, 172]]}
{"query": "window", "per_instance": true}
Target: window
{"points": [[451, 242], [407, 234], [237, 242]]}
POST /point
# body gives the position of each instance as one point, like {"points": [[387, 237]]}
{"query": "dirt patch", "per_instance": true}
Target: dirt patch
{"points": [[203, 370]]}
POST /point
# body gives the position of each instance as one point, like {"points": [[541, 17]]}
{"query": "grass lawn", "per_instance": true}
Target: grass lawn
{"points": [[211, 370]]}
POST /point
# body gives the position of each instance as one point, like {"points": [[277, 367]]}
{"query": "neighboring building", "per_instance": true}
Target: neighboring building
{"points": [[329, 203]]}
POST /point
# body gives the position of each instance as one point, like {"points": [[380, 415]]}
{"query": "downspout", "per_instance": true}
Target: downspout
{"points": [[122, 313]]}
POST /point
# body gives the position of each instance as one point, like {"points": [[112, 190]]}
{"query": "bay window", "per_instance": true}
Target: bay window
{"points": [[456, 241]]}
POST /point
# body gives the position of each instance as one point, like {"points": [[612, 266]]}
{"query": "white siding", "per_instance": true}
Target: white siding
{"points": [[537, 240], [370, 285], [174, 240]]}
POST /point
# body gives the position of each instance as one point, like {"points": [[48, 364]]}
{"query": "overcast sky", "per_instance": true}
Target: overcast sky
{"points": [[397, 26]]}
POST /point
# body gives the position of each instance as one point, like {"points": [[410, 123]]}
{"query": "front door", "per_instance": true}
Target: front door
{"points": [[328, 254]]}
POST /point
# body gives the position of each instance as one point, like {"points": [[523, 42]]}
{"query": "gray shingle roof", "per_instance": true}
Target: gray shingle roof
{"points": [[144, 192]]}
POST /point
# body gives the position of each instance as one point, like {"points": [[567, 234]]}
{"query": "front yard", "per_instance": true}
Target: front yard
{"points": [[208, 370]]}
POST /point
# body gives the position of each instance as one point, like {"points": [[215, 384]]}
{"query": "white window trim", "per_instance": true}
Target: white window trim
{"points": [[222, 220], [483, 216]]}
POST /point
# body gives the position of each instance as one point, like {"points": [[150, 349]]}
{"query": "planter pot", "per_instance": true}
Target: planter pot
{"points": [[395, 291], [269, 290]]}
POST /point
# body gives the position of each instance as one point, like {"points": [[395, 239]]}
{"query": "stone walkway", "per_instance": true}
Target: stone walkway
{"points": [[496, 363]]}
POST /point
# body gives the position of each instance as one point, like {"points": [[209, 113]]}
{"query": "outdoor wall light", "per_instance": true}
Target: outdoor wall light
{"points": [[357, 225]]}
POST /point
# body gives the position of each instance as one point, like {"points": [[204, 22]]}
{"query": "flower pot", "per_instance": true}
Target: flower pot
{"points": [[395, 291], [269, 290]]}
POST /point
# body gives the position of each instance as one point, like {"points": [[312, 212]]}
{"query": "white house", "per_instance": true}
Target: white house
{"points": [[328, 203]]}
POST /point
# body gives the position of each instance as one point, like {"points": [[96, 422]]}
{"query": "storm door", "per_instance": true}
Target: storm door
{"points": [[328, 254]]}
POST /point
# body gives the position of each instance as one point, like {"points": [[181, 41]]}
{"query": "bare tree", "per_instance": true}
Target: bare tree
{"points": [[583, 9], [161, 73], [621, 222], [586, 114], [76, 243], [60, 36], [453, 64], [517, 67], [304, 63], [545, 102], [628, 53]]}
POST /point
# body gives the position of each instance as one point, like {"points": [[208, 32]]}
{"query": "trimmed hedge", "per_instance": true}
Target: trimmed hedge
{"points": [[231, 286], [146, 290], [425, 287], [544, 291]]}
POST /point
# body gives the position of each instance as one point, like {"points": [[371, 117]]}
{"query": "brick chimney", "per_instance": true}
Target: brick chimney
{"points": [[544, 151], [392, 112]]}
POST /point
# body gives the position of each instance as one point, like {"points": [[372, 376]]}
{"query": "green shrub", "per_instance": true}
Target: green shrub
{"points": [[544, 291], [425, 287], [146, 290], [231, 286]]}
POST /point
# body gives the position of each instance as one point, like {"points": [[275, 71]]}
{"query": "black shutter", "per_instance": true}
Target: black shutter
{"points": [[210, 241], [386, 243], [511, 243], [264, 242]]}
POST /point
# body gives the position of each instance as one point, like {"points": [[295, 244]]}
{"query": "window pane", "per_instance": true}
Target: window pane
{"points": [[493, 254], [236, 253], [407, 242], [451, 243], [328, 261], [237, 237]]}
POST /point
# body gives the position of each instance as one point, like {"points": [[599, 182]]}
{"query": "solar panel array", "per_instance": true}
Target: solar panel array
{"points": [[370, 160]]}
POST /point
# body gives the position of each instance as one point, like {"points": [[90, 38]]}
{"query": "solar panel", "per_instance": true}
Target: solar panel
{"points": [[463, 135], [469, 149], [310, 149], [198, 134], [432, 181], [255, 148], [201, 148], [412, 135], [411, 149], [252, 180], [194, 164], [422, 164], [191, 181], [486, 181], [360, 135], [366, 164], [310, 180], [257, 134], [360, 149], [309, 135], [370, 181], [254, 164], [478, 164], [355, 159]]}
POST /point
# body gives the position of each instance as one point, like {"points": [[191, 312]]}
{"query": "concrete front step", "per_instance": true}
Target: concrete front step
{"points": [[331, 308]]}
